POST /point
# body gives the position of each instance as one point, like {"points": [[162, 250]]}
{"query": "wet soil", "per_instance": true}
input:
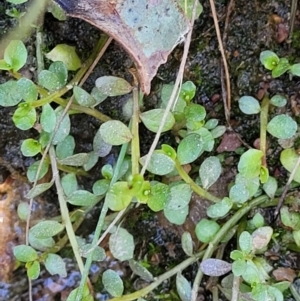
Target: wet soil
{"points": [[251, 29]]}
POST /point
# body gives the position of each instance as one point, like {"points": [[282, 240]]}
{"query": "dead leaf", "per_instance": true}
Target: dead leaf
{"points": [[282, 274], [148, 29]]}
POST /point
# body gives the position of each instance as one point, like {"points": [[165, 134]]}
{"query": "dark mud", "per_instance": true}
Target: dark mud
{"points": [[251, 30]]}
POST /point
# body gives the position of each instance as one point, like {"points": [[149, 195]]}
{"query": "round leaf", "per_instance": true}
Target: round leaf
{"points": [[261, 237], [250, 163], [239, 193], [278, 101], [60, 70], [245, 242], [180, 197], [48, 118], [210, 170], [41, 244], [27, 89], [249, 105], [121, 244], [55, 265], [24, 116], [215, 267], [113, 86], [69, 183], [187, 243], [32, 170], [178, 216], [206, 230], [295, 69], [270, 187], [23, 210], [83, 97], [288, 159], [219, 209], [118, 196], [46, 229], [189, 149], [158, 197], [269, 59], [33, 271], [25, 253], [153, 118], [113, 283], [140, 270], [30, 147], [9, 94], [49, 80], [195, 115], [15, 55], [282, 126], [115, 132], [239, 267], [65, 148], [282, 66], [65, 54], [183, 287], [63, 128], [160, 164], [82, 198]]}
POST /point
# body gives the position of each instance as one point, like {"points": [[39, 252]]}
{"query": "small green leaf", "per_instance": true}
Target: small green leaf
{"points": [[190, 148], [23, 210], [187, 243], [63, 128], [4, 65], [252, 274], [239, 267], [92, 161], [100, 147], [39, 189], [282, 66], [207, 138], [140, 270], [153, 118], [215, 267], [245, 242], [250, 163], [115, 132], [239, 193], [211, 123], [183, 287], [118, 196], [180, 197], [188, 89], [41, 244], [107, 171], [219, 209], [15, 55], [288, 159], [101, 187], [24, 116], [218, 131], [46, 229], [9, 94], [295, 69], [75, 160], [69, 184], [269, 59], [61, 71], [237, 254], [121, 244], [66, 54], [48, 118], [261, 237], [57, 12], [65, 148], [30, 147], [169, 151], [113, 283], [195, 115], [296, 236], [25, 253], [27, 89], [270, 187], [252, 184], [158, 197], [290, 219], [49, 80], [278, 101], [166, 93], [98, 252], [82, 198], [99, 97], [160, 163], [177, 216], [206, 230], [249, 105], [282, 127], [210, 170], [83, 98], [33, 270], [55, 265], [113, 86], [258, 220], [33, 168]]}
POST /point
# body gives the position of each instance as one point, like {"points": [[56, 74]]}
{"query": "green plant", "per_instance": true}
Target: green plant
{"points": [[124, 185]]}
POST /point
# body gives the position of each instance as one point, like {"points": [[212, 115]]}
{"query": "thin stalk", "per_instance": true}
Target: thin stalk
{"points": [[263, 128], [222, 232], [199, 190], [99, 226], [135, 142], [64, 209]]}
